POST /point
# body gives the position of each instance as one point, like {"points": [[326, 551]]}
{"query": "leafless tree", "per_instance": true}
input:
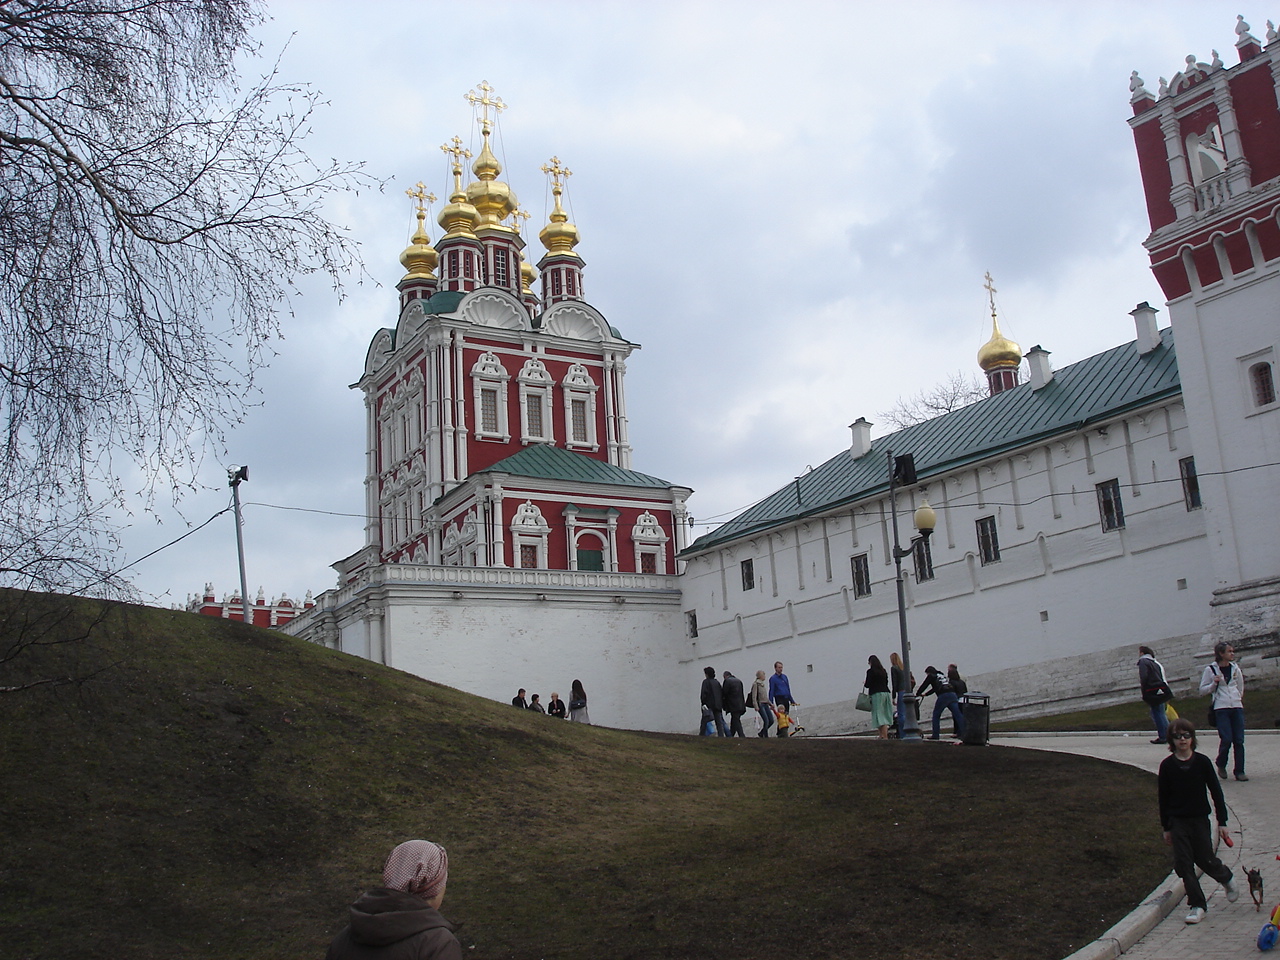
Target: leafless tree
{"points": [[154, 216], [957, 391]]}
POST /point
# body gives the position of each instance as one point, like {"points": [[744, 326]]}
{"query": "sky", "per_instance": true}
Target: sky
{"points": [[791, 207]]}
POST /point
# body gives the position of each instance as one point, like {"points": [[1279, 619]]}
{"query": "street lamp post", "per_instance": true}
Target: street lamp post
{"points": [[903, 470]]}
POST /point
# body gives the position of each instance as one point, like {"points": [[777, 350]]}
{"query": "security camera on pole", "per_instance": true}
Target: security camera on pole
{"points": [[235, 475], [902, 470]]}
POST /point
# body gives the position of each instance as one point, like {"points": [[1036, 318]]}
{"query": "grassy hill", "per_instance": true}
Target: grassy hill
{"points": [[219, 791]]}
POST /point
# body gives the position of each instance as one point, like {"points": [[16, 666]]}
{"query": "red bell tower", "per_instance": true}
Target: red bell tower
{"points": [[1209, 152]]}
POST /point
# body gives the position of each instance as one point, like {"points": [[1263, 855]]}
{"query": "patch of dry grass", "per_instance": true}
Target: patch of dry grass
{"points": [[224, 792]]}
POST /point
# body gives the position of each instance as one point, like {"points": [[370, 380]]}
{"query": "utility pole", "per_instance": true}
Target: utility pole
{"points": [[235, 476]]}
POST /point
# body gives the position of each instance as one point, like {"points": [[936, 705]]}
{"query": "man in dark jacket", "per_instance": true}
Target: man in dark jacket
{"points": [[937, 682], [735, 703], [713, 699]]}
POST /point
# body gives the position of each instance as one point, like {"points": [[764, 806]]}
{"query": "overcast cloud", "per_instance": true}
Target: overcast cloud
{"points": [[792, 209]]}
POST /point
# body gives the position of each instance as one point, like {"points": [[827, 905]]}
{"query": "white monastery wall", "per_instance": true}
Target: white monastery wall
{"points": [[1215, 352], [1063, 590], [490, 631]]}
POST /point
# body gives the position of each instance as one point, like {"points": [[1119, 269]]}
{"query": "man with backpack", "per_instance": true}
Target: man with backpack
{"points": [[938, 683]]}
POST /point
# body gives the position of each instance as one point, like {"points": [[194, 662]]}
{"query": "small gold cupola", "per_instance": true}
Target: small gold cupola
{"points": [[561, 266], [559, 236], [999, 358], [459, 217], [420, 258], [492, 198]]}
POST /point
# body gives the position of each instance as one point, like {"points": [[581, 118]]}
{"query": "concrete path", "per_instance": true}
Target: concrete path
{"points": [[1229, 930]]}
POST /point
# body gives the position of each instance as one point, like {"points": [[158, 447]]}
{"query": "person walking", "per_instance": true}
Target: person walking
{"points": [[556, 707], [877, 684], [401, 919], [780, 688], [1185, 783], [1155, 691], [712, 697], [578, 703], [735, 703], [898, 683], [1225, 680], [760, 700], [937, 683]]}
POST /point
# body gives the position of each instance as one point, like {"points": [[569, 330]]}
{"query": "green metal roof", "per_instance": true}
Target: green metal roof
{"points": [[445, 301], [546, 462], [1097, 388]]}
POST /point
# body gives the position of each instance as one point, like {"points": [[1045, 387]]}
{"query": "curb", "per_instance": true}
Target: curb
{"points": [[1035, 734], [1129, 930]]}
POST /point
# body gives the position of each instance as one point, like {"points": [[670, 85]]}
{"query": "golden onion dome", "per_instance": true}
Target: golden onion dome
{"points": [[559, 236], [527, 276], [493, 199], [999, 351], [459, 218], [420, 258]]}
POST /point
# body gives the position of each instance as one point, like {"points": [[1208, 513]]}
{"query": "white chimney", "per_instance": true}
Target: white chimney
{"points": [[1041, 369], [1144, 317], [861, 438]]}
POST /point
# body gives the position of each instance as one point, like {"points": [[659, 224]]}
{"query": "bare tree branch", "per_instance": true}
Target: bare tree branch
{"points": [[154, 218], [952, 393]]}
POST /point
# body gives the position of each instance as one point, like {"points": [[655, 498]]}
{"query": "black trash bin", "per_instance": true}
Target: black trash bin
{"points": [[977, 719]]}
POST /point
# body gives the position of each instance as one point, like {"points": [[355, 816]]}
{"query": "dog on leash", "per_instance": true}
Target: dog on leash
{"points": [[1255, 888]]}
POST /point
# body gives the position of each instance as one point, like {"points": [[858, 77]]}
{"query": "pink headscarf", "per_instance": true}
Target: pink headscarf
{"points": [[419, 867]]}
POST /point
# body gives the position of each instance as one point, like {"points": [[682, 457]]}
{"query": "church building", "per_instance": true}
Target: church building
{"points": [[1124, 499], [508, 537]]}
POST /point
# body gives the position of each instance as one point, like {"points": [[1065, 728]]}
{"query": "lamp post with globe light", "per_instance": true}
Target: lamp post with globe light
{"points": [[902, 470]]}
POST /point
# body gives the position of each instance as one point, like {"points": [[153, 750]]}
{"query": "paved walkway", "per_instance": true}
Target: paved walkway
{"points": [[1229, 930]]}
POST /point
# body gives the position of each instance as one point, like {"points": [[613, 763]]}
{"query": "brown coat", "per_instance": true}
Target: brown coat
{"points": [[391, 925]]}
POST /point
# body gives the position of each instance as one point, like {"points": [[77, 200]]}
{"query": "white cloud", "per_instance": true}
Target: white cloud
{"points": [[791, 208]]}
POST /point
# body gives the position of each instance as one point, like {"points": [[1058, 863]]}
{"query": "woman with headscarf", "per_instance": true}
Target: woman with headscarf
{"points": [[401, 919], [578, 703]]}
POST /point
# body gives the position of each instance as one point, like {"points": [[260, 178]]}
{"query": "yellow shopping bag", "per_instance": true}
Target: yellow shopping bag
{"points": [[1169, 712]]}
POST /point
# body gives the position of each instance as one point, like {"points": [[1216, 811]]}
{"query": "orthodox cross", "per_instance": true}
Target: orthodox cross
{"points": [[455, 149], [557, 172], [484, 101], [517, 216], [422, 197], [990, 287]]}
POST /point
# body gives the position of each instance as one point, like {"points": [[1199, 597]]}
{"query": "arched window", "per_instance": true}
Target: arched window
{"points": [[1263, 384]]}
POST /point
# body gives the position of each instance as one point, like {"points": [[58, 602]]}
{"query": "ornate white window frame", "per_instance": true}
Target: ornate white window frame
{"points": [[647, 537], [578, 386], [488, 373], [537, 385], [529, 528]]}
